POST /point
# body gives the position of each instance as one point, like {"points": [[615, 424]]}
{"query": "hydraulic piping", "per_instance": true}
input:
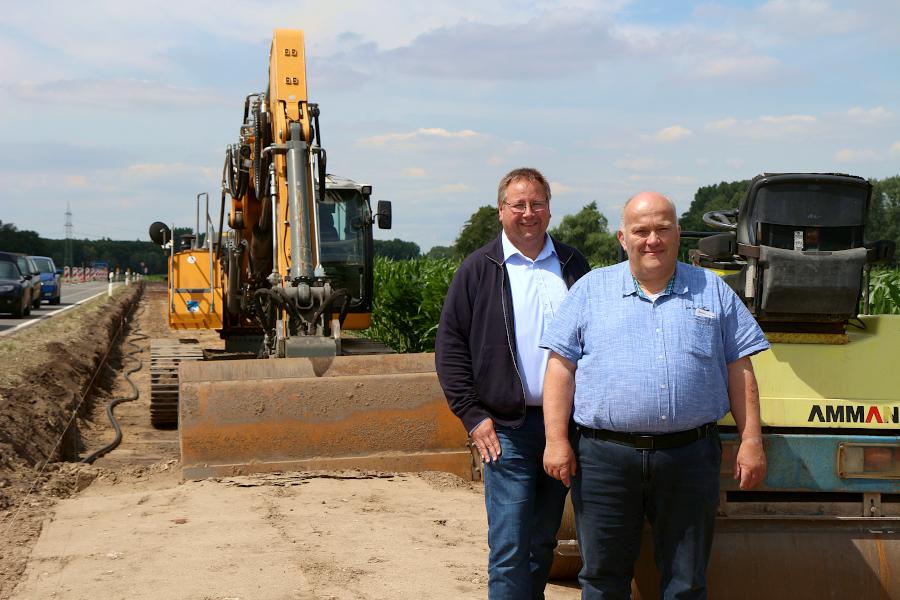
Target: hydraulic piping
{"points": [[110, 406]]}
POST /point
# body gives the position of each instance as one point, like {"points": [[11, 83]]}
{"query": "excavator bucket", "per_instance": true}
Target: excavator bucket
{"points": [[378, 412]]}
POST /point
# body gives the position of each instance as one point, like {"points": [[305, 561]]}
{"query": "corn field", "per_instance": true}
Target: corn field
{"points": [[409, 296], [884, 292]]}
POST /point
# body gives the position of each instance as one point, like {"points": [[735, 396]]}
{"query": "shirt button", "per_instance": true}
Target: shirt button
{"points": [[663, 417], [658, 330], [662, 386]]}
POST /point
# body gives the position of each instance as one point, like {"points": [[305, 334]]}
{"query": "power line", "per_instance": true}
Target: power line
{"points": [[68, 245]]}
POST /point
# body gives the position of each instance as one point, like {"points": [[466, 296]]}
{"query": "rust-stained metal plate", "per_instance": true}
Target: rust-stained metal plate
{"points": [[800, 557], [383, 412]]}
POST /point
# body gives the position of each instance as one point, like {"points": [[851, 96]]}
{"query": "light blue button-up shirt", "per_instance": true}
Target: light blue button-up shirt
{"points": [[537, 289], [652, 366]]}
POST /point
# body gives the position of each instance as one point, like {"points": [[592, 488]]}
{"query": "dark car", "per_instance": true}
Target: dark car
{"points": [[14, 294], [51, 278], [27, 267]]}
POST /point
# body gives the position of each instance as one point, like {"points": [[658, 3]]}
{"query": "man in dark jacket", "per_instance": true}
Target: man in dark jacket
{"points": [[491, 368]]}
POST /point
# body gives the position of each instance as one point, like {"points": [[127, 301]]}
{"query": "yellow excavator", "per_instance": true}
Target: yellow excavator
{"points": [[282, 288], [291, 276]]}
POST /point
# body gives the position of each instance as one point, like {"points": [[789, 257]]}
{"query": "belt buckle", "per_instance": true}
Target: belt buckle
{"points": [[643, 442]]}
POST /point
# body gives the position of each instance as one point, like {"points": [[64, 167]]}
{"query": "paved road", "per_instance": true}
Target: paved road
{"points": [[72, 295]]}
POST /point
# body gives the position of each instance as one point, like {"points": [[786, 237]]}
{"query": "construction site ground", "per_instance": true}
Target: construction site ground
{"points": [[129, 527]]}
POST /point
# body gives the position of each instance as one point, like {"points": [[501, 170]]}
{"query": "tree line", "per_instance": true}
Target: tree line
{"points": [[588, 230], [119, 254]]}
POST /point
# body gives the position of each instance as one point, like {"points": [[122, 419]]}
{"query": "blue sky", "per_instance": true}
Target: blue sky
{"points": [[123, 109]]}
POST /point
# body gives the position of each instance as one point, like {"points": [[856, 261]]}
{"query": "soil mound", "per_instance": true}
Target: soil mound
{"points": [[47, 370]]}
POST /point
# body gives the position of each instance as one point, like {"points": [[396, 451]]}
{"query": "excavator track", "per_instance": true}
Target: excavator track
{"points": [[165, 356]]}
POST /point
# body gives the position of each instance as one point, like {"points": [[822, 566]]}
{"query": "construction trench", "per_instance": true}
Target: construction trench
{"points": [[109, 529]]}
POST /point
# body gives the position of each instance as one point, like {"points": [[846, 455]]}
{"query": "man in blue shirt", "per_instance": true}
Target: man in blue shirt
{"points": [[491, 369], [649, 353]]}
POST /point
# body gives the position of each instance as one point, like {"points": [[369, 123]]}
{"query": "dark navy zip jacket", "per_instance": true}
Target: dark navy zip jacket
{"points": [[475, 350]]}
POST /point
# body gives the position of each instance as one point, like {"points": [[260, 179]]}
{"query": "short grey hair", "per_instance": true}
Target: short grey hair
{"points": [[522, 174]]}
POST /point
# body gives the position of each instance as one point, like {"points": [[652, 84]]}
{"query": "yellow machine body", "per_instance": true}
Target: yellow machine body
{"points": [[806, 385], [195, 294]]}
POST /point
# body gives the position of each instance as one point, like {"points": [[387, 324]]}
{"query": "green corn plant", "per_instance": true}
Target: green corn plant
{"points": [[884, 292], [409, 296]]}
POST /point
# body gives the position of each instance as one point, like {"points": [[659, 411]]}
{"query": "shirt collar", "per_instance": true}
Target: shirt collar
{"points": [[678, 283], [509, 250]]}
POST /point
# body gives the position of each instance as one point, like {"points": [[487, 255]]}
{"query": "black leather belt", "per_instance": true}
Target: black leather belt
{"points": [[649, 441]]}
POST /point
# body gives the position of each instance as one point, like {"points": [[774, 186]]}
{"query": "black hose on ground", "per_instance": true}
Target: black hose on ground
{"points": [[135, 394]]}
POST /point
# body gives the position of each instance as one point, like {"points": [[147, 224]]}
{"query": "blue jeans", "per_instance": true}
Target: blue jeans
{"points": [[617, 487], [524, 509]]}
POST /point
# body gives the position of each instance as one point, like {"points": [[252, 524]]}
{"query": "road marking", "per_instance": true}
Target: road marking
{"points": [[31, 322]]}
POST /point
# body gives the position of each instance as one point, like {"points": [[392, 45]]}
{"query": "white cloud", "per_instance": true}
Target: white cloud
{"points": [[809, 17], [557, 188], [454, 188], [77, 181], [877, 114], [895, 148], [722, 124], [663, 179], [557, 43], [743, 68], [121, 94], [415, 172], [155, 171], [638, 164], [849, 155], [766, 126], [417, 135], [673, 133]]}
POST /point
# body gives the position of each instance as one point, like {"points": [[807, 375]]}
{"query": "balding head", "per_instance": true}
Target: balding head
{"points": [[649, 233], [644, 197]]}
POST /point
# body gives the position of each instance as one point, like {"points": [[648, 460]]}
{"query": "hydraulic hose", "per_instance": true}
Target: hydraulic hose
{"points": [[221, 223], [337, 295], [110, 406]]}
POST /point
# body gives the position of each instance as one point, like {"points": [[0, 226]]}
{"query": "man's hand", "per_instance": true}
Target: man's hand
{"points": [[750, 463], [485, 439], [743, 394], [559, 461]]}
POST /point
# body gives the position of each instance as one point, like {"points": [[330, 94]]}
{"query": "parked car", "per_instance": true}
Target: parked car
{"points": [[27, 267], [51, 278], [15, 296]]}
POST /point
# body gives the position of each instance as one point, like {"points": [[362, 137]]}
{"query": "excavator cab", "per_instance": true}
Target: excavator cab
{"points": [[345, 249]]}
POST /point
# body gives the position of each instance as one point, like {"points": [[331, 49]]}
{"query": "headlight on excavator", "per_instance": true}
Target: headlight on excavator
{"points": [[869, 461]]}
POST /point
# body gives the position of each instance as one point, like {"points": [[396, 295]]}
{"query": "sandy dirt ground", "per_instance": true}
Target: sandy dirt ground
{"points": [[128, 527]]}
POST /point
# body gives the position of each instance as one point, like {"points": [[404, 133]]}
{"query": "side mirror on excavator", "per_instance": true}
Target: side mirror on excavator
{"points": [[383, 215]]}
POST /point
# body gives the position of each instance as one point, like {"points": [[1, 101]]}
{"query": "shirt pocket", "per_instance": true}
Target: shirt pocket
{"points": [[701, 336]]}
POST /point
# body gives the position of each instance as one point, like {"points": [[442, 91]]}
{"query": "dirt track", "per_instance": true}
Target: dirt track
{"points": [[136, 531]]}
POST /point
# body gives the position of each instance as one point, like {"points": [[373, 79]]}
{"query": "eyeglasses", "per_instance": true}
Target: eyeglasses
{"points": [[519, 209]]}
